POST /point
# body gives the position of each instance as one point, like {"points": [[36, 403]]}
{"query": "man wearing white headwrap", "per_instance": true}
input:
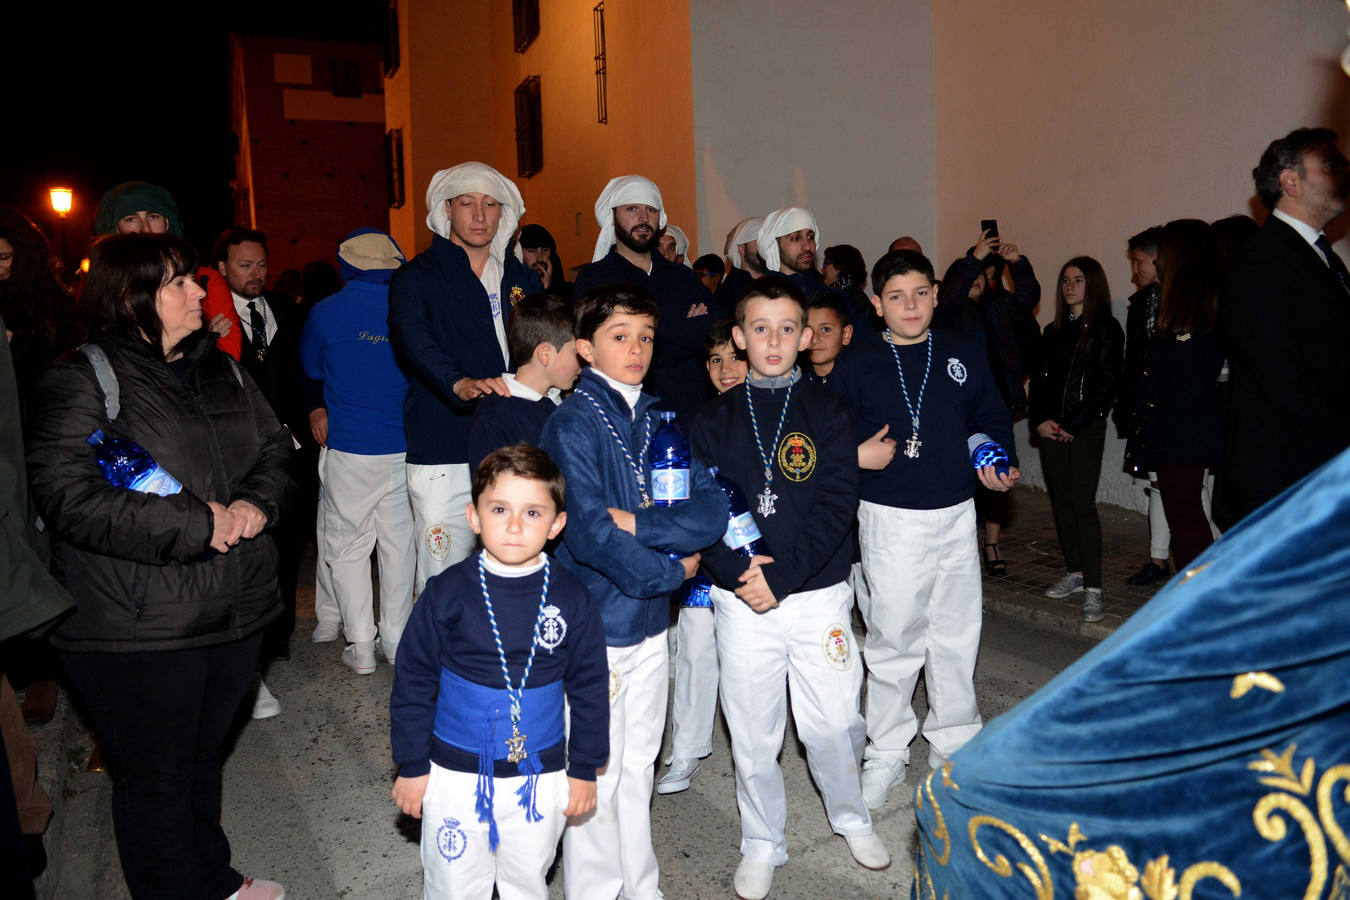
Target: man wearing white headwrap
{"points": [[630, 215], [787, 241], [742, 252], [674, 246], [447, 312]]}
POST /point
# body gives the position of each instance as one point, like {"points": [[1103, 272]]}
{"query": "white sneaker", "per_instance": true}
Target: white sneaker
{"points": [[1093, 608], [868, 851], [754, 879], [682, 772], [387, 652], [325, 632], [1065, 588], [878, 777], [360, 657], [265, 705]]}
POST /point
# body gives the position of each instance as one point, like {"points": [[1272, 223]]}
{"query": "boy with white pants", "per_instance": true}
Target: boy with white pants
{"points": [[916, 519], [783, 620]]}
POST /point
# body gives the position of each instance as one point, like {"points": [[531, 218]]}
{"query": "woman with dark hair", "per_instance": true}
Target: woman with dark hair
{"points": [[1177, 429], [1072, 390], [39, 313], [845, 273], [172, 592]]}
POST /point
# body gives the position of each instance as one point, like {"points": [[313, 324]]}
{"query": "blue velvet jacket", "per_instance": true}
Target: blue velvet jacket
{"points": [[440, 323], [629, 579]]}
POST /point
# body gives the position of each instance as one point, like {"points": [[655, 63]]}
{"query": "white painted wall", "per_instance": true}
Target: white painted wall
{"points": [[831, 108], [1077, 124]]}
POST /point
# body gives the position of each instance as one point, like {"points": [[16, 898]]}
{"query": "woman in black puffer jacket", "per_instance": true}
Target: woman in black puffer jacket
{"points": [[172, 591], [1072, 391]]}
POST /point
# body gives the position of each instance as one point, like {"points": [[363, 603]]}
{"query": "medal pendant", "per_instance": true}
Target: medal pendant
{"points": [[646, 501], [912, 446], [515, 745], [766, 499]]}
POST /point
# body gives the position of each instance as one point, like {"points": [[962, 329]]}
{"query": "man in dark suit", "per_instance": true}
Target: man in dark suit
{"points": [[271, 356], [1286, 319]]}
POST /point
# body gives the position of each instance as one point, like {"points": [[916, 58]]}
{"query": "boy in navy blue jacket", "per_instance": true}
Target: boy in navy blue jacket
{"points": [[916, 519], [624, 548], [539, 335], [494, 646], [788, 444]]}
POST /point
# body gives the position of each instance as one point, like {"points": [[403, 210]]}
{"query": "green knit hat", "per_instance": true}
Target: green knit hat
{"points": [[131, 197]]}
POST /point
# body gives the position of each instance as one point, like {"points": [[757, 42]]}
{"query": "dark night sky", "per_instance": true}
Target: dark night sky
{"points": [[91, 99]]}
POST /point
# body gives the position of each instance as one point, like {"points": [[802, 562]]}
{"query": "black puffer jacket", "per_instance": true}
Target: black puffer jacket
{"points": [[133, 561], [1074, 384]]}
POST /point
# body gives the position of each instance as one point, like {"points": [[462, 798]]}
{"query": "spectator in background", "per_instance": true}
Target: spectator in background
{"points": [[787, 244], [537, 249], [742, 252], [1142, 251], [318, 280], [905, 242], [1177, 428], [1285, 317], [674, 245], [710, 269], [974, 304], [40, 316], [845, 273], [1072, 390]]}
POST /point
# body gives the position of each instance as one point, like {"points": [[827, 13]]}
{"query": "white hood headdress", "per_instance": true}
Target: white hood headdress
{"points": [[778, 223], [681, 243], [620, 192], [475, 177], [746, 230]]}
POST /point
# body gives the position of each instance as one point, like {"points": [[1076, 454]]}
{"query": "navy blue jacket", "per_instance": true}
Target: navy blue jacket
{"points": [[501, 421], [449, 629], [729, 291], [677, 374], [961, 398], [440, 322], [630, 581]]}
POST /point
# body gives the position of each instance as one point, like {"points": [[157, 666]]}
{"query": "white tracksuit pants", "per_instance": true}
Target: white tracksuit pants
{"points": [[439, 495], [694, 707], [923, 611], [804, 643], [366, 505], [326, 610], [608, 853], [456, 861]]}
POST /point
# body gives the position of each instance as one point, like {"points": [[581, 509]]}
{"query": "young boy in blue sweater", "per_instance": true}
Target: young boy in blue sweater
{"points": [[495, 645], [632, 554], [916, 519], [539, 335]]}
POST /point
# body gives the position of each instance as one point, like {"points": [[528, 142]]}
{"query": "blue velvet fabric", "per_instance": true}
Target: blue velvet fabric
{"points": [[1201, 750]]}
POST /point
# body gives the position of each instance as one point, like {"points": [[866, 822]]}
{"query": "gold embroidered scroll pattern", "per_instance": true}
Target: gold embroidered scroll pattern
{"points": [[1039, 877], [1248, 680], [1333, 829], [1109, 875], [1271, 826], [940, 827]]}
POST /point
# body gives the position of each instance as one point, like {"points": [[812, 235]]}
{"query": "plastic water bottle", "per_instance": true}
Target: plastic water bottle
{"points": [[985, 451], [696, 593], [668, 462], [742, 533], [126, 464]]}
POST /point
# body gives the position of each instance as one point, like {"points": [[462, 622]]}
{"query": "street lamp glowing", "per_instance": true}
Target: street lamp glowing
{"points": [[60, 200]]}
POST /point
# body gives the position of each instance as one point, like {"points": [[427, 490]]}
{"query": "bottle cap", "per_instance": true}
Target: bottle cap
{"points": [[96, 438], [667, 416]]}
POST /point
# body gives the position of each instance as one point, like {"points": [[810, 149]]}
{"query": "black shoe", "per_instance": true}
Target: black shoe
{"points": [[993, 565], [1150, 573]]}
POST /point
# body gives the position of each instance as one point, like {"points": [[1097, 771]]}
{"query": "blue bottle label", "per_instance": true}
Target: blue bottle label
{"points": [[670, 484], [696, 594], [156, 481], [741, 530]]}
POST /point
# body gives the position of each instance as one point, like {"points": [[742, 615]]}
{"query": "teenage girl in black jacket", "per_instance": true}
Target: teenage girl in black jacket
{"points": [[1072, 391]]}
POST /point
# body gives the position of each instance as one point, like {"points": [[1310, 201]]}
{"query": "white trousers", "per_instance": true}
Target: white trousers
{"points": [[923, 612], [366, 506], [805, 643], [456, 861], [608, 853], [439, 496], [326, 609], [694, 707]]}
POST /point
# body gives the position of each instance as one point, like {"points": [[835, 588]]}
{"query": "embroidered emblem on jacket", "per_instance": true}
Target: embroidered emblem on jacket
{"points": [[956, 369], [517, 294], [797, 457], [552, 629], [438, 542], [450, 840], [834, 644]]}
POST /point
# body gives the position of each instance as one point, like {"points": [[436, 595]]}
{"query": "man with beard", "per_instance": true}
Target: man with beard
{"points": [[787, 243], [746, 264], [537, 249], [1285, 318], [674, 245], [631, 217]]}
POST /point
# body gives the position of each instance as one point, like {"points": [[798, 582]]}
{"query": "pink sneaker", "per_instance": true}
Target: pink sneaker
{"points": [[255, 889]]}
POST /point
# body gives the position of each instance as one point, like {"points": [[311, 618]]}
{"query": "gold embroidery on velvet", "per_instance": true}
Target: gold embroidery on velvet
{"points": [[1272, 828], [1248, 680], [1159, 880], [947, 777], [940, 828], [1332, 828], [1208, 870], [1057, 846], [1039, 877], [1283, 767], [1340, 886], [1105, 875], [1191, 573]]}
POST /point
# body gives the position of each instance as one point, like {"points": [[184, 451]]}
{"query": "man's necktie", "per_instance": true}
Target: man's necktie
{"points": [[1334, 262], [259, 326]]}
